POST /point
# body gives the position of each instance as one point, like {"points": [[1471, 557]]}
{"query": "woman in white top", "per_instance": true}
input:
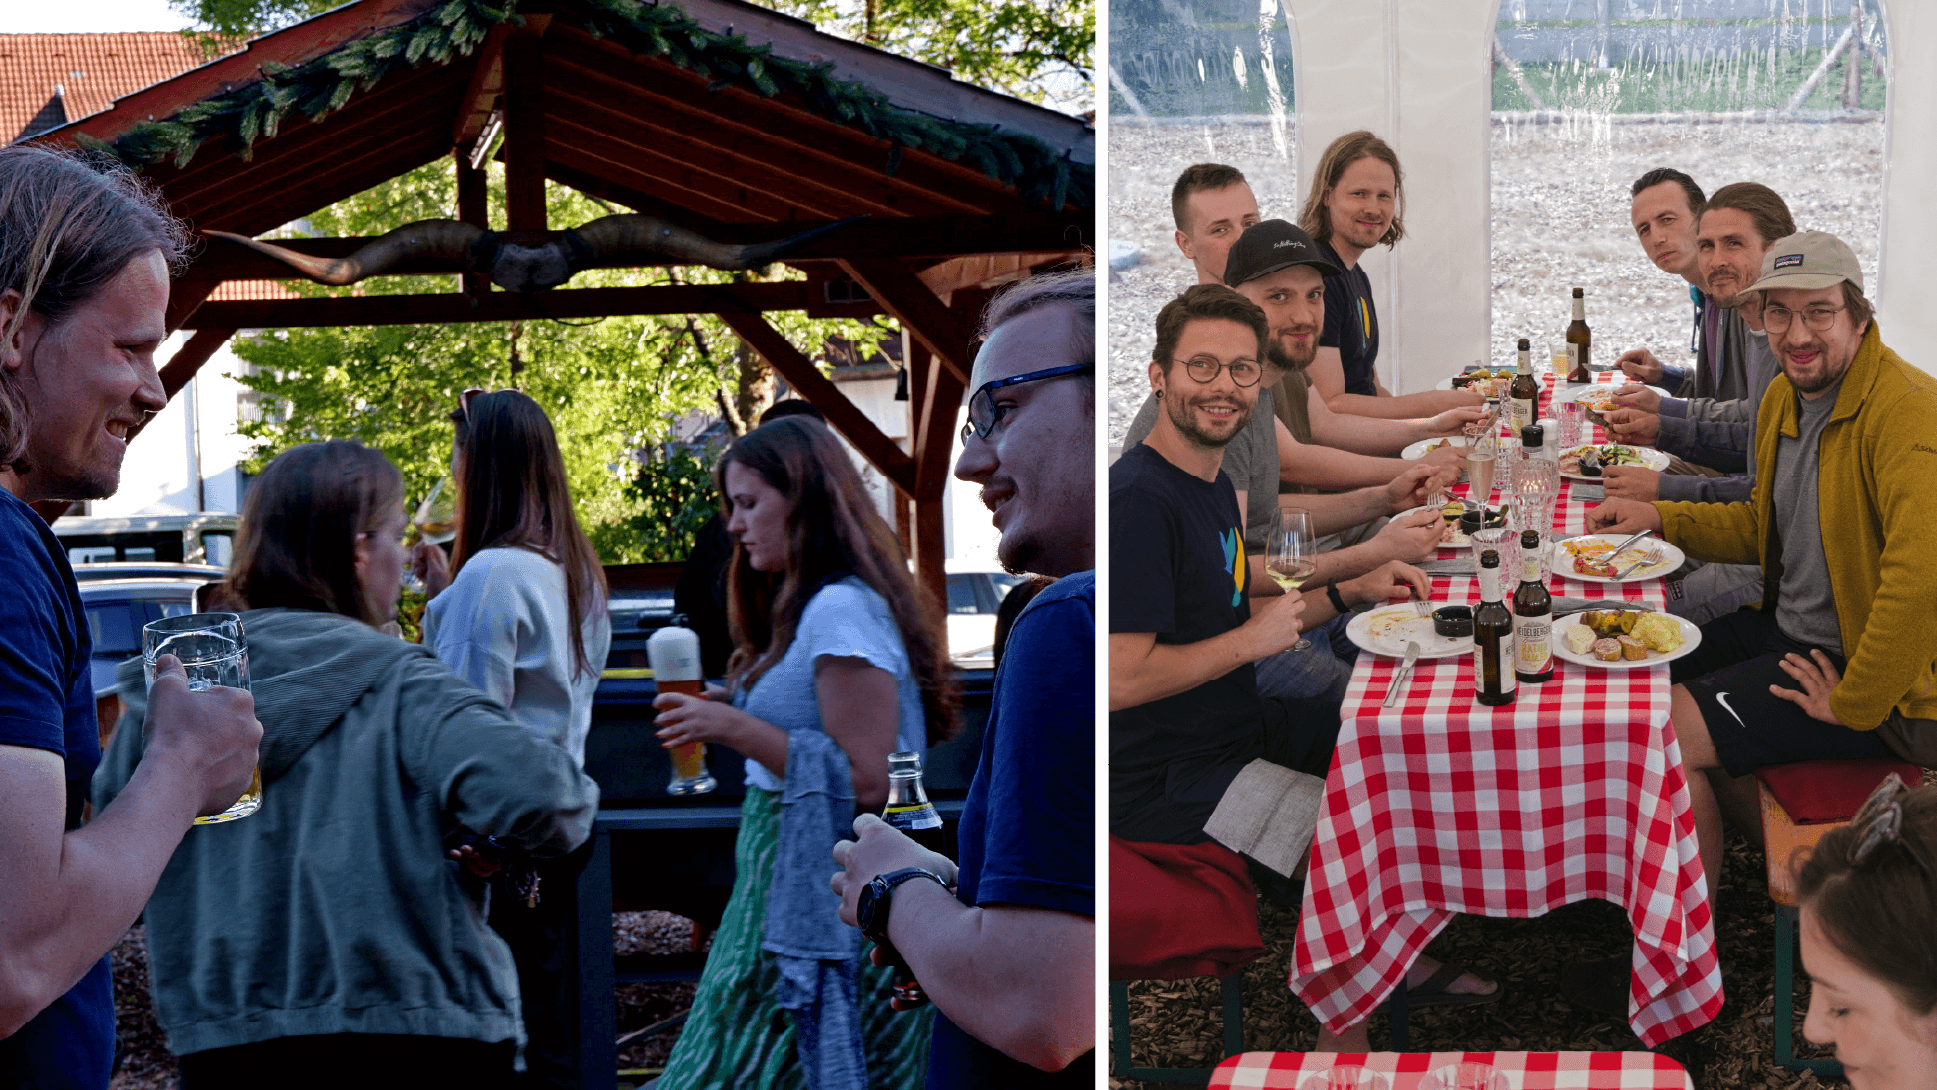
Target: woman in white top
{"points": [[520, 612]]}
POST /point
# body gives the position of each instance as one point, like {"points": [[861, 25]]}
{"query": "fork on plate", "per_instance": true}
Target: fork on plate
{"points": [[1649, 556]]}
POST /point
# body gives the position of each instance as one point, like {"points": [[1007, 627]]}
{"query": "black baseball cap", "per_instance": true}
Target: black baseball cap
{"points": [[1270, 245]]}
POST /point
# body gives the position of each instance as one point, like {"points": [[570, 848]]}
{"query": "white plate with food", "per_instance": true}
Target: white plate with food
{"points": [[1635, 640], [1597, 397], [1419, 450], [1611, 454], [1589, 558], [1496, 517], [1386, 630], [1489, 381]]}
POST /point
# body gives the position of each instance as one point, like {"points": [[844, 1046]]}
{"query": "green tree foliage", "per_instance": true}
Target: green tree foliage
{"points": [[614, 387]]}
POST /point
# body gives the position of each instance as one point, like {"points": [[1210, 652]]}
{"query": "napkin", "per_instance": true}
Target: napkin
{"points": [[1268, 813]]}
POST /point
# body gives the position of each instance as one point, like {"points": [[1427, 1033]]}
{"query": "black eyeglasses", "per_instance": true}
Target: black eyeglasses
{"points": [[1880, 821], [1776, 318], [982, 415], [1244, 370]]}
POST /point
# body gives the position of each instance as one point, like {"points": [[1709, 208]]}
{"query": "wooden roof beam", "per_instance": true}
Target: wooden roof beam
{"points": [[800, 372], [901, 293], [481, 95], [524, 126], [506, 306]]}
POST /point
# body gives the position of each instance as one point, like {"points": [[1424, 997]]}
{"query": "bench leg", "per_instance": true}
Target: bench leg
{"points": [[1785, 1004]]}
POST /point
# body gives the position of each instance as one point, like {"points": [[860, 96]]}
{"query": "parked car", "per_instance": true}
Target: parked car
{"points": [[975, 592], [206, 538], [118, 600]]}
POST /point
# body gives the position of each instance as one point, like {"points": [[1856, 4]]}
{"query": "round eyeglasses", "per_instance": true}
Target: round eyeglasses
{"points": [[1244, 370]]}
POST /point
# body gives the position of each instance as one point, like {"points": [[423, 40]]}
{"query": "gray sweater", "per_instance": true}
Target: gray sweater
{"points": [[1720, 433], [332, 909]]}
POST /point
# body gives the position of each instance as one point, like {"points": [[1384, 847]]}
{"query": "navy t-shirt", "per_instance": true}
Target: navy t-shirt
{"points": [[1177, 569], [1027, 831], [47, 702], [1351, 324]]}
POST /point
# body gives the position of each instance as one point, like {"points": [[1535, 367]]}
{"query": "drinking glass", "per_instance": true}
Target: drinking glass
{"points": [[1466, 1076], [1506, 542], [1345, 1077], [214, 652], [1288, 555], [436, 518], [1571, 425]]}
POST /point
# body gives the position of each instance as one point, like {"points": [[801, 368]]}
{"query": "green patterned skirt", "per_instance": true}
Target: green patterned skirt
{"points": [[736, 1035]]}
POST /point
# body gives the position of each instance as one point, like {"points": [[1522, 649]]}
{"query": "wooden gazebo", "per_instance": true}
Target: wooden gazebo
{"points": [[718, 116]]}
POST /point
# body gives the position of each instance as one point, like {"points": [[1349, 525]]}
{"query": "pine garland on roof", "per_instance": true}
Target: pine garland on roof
{"points": [[313, 90]]}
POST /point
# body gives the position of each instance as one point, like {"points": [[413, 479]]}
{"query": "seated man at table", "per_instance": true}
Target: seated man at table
{"points": [[1736, 228], [1266, 254], [1357, 202], [1664, 209], [1839, 663], [1185, 714], [1318, 448]]}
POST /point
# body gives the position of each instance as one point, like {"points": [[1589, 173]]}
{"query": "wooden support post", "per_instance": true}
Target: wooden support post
{"points": [[802, 375], [524, 131], [190, 357], [185, 297], [472, 208], [935, 395]]}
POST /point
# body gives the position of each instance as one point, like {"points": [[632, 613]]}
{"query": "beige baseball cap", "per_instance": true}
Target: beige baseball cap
{"points": [[1808, 260]]}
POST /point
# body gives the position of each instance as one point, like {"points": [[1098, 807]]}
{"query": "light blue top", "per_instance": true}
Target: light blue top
{"points": [[845, 619]]}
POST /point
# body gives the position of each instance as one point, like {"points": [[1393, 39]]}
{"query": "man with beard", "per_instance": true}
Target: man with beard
{"points": [[1356, 202], [1009, 959], [1736, 228], [1838, 663], [1666, 206]]}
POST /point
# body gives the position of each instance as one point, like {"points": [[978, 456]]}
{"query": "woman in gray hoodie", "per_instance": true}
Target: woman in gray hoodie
{"points": [[327, 939]]}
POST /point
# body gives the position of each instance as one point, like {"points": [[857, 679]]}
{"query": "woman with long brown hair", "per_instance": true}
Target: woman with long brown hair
{"points": [[837, 662], [524, 619], [325, 937]]}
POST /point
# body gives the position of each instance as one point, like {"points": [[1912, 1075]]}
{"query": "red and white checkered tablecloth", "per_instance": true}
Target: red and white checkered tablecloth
{"points": [[1441, 805], [1405, 1070]]}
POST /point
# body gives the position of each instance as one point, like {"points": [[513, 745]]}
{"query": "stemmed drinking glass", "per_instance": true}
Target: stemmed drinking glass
{"points": [[435, 522], [1288, 555]]}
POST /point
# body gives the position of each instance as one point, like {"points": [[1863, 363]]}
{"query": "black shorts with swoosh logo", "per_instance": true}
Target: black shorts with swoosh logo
{"points": [[1729, 676]]}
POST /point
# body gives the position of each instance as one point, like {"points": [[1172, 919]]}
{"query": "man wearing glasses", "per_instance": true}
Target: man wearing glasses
{"points": [[1009, 957], [1839, 663]]}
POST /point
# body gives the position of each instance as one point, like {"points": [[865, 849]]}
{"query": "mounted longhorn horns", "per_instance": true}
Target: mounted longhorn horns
{"points": [[532, 268]]}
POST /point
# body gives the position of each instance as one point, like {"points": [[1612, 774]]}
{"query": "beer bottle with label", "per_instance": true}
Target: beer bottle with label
{"points": [[1533, 617], [910, 811], [1525, 390], [1493, 680], [1579, 344]]}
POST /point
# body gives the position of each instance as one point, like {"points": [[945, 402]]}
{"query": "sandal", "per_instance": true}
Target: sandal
{"points": [[1433, 992]]}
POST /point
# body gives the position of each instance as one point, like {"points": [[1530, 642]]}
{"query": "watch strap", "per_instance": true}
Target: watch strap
{"points": [[883, 885], [1338, 601]]}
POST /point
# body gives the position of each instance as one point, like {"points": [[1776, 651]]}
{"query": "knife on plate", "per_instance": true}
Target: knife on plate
{"points": [[1405, 673]]}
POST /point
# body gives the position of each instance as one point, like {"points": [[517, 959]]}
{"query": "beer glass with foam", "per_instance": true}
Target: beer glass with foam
{"points": [[673, 652], [214, 652]]}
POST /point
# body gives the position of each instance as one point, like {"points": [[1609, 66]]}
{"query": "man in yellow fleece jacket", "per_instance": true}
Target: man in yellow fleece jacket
{"points": [[1841, 661]]}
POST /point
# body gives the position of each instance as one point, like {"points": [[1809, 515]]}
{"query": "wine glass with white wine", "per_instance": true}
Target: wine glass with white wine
{"points": [[1288, 555], [435, 522]]}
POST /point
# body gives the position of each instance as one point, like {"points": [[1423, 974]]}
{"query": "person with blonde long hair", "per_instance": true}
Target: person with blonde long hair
{"points": [[520, 612], [326, 938], [837, 662]]}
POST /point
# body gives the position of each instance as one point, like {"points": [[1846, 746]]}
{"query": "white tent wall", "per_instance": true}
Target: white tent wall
{"points": [[1419, 73]]}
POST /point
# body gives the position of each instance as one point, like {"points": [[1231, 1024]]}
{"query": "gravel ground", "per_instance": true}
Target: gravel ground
{"points": [[1560, 201]]}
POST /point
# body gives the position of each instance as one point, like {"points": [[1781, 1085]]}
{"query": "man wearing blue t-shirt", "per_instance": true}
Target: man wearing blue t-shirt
{"points": [[1009, 956], [81, 315]]}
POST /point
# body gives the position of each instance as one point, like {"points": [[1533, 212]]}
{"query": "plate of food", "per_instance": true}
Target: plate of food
{"points": [[1591, 558], [1485, 381], [1419, 450], [1609, 454], [1386, 630], [1596, 397], [1451, 511], [1623, 639]]}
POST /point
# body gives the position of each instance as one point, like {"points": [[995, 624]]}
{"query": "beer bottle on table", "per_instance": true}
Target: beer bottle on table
{"points": [[1524, 393], [910, 811], [1579, 344], [1493, 678], [673, 652], [1533, 617]]}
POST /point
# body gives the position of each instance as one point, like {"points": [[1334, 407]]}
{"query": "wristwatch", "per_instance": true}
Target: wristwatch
{"points": [[871, 909], [1338, 602]]}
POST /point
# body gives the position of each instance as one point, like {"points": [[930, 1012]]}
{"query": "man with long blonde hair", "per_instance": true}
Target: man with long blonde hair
{"points": [[1357, 201]]}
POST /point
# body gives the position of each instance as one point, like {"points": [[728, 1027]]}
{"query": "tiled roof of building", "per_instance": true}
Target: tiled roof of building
{"points": [[88, 71]]}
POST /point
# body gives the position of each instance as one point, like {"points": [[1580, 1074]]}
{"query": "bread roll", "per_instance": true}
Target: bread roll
{"points": [[1579, 638]]}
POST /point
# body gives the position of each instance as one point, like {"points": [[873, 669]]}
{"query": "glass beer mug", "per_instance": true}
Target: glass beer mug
{"points": [[673, 652], [214, 652]]}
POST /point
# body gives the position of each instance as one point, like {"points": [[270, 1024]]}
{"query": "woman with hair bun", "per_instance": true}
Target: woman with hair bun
{"points": [[1869, 940], [837, 662]]}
